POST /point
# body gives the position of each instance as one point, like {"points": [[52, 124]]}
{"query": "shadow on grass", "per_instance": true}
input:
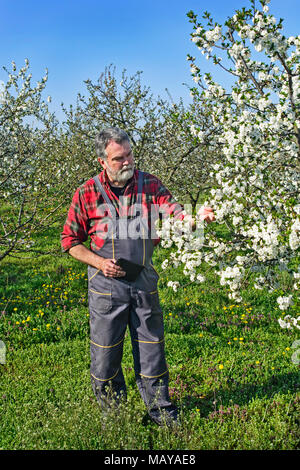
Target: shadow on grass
{"points": [[242, 394]]}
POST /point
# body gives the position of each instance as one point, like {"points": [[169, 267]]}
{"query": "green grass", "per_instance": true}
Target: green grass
{"points": [[231, 371]]}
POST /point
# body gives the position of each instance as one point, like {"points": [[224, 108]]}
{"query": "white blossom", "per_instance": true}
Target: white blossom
{"points": [[284, 302]]}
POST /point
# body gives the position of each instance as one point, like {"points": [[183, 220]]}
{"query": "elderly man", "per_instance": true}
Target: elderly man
{"points": [[115, 209]]}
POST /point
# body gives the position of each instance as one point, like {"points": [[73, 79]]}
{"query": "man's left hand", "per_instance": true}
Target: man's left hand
{"points": [[207, 214]]}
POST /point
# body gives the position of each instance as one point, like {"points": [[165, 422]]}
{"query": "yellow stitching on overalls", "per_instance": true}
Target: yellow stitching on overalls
{"points": [[105, 380], [153, 376], [143, 247], [100, 293], [113, 245], [154, 268], [94, 275], [100, 346], [151, 342]]}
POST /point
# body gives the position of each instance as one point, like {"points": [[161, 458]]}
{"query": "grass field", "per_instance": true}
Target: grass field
{"points": [[231, 368]]}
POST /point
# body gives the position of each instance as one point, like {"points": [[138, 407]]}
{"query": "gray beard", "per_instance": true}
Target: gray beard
{"points": [[121, 176]]}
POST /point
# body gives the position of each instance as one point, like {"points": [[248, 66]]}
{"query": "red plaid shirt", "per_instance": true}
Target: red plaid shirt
{"points": [[86, 220]]}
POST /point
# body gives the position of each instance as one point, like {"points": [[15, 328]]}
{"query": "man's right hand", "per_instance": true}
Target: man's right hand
{"points": [[110, 268], [106, 265]]}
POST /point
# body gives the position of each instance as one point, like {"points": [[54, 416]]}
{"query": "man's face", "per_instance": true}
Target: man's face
{"points": [[119, 164]]}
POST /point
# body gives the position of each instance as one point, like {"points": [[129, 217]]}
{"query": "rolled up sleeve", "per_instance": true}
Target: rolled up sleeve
{"points": [[75, 230]]}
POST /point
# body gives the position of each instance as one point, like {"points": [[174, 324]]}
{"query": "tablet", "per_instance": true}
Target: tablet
{"points": [[132, 269]]}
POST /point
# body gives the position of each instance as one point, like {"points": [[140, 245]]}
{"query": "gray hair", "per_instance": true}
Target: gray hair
{"points": [[105, 136]]}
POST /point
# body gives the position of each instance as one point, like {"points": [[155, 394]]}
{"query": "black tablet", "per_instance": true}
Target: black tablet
{"points": [[132, 269]]}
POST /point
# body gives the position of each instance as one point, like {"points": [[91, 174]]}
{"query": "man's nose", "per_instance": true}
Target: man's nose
{"points": [[128, 161]]}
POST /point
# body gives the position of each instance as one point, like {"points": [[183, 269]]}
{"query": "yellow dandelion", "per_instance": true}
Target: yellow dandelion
{"points": [[221, 366]]}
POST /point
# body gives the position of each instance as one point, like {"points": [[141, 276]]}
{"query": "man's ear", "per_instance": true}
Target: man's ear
{"points": [[102, 162]]}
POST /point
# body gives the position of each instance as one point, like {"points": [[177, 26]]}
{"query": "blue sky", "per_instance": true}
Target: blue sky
{"points": [[76, 39]]}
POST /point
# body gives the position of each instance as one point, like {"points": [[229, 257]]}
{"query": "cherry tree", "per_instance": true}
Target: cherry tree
{"points": [[179, 157], [257, 128], [28, 170]]}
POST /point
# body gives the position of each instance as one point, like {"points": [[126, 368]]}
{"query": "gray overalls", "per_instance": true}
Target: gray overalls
{"points": [[115, 303]]}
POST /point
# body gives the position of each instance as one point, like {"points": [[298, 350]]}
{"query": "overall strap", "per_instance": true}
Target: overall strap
{"points": [[140, 187], [105, 196]]}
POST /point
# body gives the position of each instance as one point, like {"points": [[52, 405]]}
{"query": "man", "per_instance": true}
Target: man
{"points": [[115, 209]]}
